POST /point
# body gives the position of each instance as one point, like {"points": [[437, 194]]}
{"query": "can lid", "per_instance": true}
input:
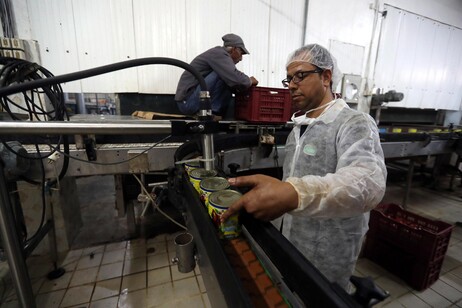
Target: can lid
{"points": [[195, 163], [224, 198], [201, 173], [214, 183]]}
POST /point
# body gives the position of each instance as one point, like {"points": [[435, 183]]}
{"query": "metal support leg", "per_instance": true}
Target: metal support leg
{"points": [[410, 173], [13, 249]]}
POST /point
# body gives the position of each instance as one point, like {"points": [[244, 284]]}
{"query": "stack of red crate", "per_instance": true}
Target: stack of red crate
{"points": [[408, 245]]}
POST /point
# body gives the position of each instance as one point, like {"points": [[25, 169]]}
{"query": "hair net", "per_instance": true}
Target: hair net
{"points": [[318, 56]]}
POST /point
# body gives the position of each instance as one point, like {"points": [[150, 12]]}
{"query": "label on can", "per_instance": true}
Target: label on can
{"points": [[219, 202], [209, 185], [196, 176], [190, 166]]}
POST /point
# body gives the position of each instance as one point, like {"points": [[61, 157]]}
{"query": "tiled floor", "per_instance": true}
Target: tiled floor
{"points": [[139, 273], [135, 273]]}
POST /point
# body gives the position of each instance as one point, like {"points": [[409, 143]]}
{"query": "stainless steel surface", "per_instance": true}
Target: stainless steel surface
{"points": [[111, 159], [12, 248], [416, 148], [68, 128]]}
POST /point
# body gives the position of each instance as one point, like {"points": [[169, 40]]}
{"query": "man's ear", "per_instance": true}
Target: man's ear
{"points": [[327, 77]]}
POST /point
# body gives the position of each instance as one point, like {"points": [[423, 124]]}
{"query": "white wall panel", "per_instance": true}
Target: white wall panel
{"points": [[207, 21], [52, 25], [250, 20], [415, 57], [350, 57], [437, 78], [160, 31], [286, 27], [104, 35], [277, 29]]}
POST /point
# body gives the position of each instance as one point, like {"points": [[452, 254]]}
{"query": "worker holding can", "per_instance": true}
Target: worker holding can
{"points": [[334, 171]]}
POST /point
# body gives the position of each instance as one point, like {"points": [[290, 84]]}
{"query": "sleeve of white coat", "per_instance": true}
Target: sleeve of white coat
{"points": [[358, 184]]}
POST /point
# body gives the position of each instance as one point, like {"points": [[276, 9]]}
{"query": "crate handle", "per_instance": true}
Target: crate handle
{"points": [[273, 92]]}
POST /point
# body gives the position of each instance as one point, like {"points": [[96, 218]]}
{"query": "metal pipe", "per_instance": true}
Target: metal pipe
{"points": [[12, 248], [208, 151], [71, 128]]}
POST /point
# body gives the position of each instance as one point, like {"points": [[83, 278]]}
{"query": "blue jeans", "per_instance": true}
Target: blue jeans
{"points": [[220, 95]]}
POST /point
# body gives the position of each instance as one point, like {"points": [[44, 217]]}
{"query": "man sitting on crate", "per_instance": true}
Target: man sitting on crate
{"points": [[218, 66]]}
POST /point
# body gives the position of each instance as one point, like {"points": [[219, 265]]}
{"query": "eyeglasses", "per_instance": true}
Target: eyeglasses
{"points": [[299, 76]]}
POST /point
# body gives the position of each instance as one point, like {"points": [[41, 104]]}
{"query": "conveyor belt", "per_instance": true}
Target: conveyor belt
{"points": [[225, 287]]}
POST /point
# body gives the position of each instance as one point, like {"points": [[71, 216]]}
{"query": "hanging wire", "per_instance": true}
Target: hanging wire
{"points": [[156, 206]]}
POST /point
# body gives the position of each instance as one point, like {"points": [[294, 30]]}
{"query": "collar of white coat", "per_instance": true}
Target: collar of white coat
{"points": [[328, 116]]}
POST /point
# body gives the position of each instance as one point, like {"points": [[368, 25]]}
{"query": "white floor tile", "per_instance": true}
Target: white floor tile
{"points": [[134, 282], [87, 261], [56, 284], [106, 288], [432, 298], [50, 300], [159, 276], [200, 281], [135, 252], [133, 299], [177, 275], [186, 287], [159, 295], [453, 281], [156, 248], [113, 256], [412, 300], [116, 246], [133, 266], [84, 276], [105, 303], [77, 295], [109, 271], [157, 261], [190, 302], [449, 292]]}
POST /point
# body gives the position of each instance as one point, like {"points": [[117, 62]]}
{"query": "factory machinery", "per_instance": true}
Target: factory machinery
{"points": [[122, 145]]}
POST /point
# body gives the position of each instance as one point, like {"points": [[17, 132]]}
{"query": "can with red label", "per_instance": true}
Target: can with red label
{"points": [[197, 175], [219, 202], [210, 185]]}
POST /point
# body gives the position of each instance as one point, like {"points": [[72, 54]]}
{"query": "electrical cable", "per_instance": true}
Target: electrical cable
{"points": [[156, 206], [14, 71], [43, 197]]}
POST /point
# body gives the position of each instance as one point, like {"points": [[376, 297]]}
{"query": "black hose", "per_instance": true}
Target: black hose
{"points": [[102, 70]]}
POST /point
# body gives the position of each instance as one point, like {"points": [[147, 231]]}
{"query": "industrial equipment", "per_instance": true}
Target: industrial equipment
{"points": [[232, 147]]}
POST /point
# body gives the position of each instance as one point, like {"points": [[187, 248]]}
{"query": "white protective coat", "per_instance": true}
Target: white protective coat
{"points": [[337, 168]]}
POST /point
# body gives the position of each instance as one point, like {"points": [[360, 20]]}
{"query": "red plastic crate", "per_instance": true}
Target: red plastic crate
{"points": [[427, 238], [417, 274], [408, 245], [262, 104]]}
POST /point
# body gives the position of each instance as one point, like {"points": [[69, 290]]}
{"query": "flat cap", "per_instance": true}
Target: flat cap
{"points": [[234, 40]]}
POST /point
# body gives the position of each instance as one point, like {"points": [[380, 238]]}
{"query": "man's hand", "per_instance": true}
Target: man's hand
{"points": [[268, 199], [254, 81]]}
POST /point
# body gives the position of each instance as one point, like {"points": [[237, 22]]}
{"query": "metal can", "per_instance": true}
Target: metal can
{"points": [[209, 185], [219, 202], [190, 166], [197, 175]]}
